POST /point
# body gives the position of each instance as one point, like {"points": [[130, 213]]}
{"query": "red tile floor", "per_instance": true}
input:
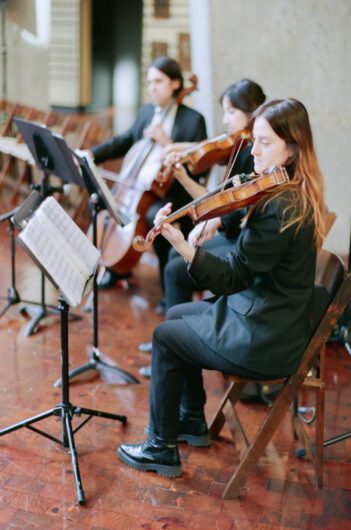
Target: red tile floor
{"points": [[36, 481]]}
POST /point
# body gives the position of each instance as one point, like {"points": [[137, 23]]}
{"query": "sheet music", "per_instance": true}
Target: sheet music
{"points": [[72, 233], [63, 250]]}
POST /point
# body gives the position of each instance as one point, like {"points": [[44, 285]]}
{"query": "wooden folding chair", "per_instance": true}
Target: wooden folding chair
{"points": [[12, 148], [335, 289]]}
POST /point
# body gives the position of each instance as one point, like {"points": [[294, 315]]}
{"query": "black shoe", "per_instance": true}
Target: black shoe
{"points": [[145, 371], [110, 278], [192, 431], [161, 307], [152, 455], [145, 347]]}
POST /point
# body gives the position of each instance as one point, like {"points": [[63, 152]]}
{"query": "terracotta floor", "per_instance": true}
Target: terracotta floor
{"points": [[36, 481]]}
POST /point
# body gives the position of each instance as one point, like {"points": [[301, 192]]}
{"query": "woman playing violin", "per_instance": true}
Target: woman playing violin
{"points": [[238, 101], [259, 323], [164, 121]]}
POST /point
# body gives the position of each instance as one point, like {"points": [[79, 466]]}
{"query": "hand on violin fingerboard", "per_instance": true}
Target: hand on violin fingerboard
{"points": [[163, 213], [178, 172]]}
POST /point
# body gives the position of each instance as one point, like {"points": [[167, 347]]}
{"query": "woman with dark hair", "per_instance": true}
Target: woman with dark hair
{"points": [[238, 102], [164, 121], [260, 322]]}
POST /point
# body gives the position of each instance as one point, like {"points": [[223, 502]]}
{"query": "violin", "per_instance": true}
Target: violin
{"points": [[217, 203], [135, 194], [207, 153]]}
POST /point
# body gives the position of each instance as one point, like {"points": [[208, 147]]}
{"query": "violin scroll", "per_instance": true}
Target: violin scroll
{"points": [[142, 244]]}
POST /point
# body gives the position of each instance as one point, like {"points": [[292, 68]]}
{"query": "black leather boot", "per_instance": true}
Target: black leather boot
{"points": [[191, 430], [156, 454], [194, 431]]}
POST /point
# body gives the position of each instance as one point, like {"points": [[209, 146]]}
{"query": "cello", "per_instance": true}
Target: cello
{"points": [[137, 190]]}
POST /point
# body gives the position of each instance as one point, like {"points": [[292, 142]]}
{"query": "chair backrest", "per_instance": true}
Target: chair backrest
{"points": [[329, 221], [331, 276], [330, 271]]}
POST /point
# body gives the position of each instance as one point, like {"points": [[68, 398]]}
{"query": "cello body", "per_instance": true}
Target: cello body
{"points": [[133, 195]]}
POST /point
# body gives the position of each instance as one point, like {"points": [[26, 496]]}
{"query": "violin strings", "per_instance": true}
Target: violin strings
{"points": [[232, 159]]}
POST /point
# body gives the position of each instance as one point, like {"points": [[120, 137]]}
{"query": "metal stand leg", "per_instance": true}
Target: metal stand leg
{"points": [[12, 293], [65, 410], [41, 311], [96, 361]]}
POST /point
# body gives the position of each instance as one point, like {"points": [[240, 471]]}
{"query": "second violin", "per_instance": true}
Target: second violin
{"points": [[206, 154]]}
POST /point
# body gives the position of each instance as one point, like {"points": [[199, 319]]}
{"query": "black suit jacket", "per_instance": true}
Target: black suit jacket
{"points": [[189, 126], [262, 320]]}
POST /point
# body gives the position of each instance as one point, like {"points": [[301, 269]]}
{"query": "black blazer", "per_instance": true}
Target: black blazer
{"points": [[189, 126], [262, 320]]}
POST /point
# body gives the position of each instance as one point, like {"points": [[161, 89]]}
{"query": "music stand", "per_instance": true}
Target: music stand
{"points": [[64, 409], [100, 198], [50, 160], [13, 297]]}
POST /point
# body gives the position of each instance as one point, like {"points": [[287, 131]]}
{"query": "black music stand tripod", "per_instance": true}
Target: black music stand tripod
{"points": [[13, 297], [48, 159], [98, 200], [65, 409]]}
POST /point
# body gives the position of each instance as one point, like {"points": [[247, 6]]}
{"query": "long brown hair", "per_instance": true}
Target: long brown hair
{"points": [[289, 120]]}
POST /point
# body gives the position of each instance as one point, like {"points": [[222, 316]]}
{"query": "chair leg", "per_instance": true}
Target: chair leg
{"points": [[232, 395], [314, 448], [262, 438], [236, 427], [5, 171], [25, 175], [320, 415], [320, 436]]}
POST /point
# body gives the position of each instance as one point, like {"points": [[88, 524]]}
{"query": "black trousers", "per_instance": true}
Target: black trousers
{"points": [[178, 357]]}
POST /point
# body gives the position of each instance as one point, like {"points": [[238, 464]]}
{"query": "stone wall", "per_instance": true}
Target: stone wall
{"points": [[300, 49]]}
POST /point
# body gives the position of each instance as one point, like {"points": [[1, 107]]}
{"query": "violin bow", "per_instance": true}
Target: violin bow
{"points": [[232, 159]]}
